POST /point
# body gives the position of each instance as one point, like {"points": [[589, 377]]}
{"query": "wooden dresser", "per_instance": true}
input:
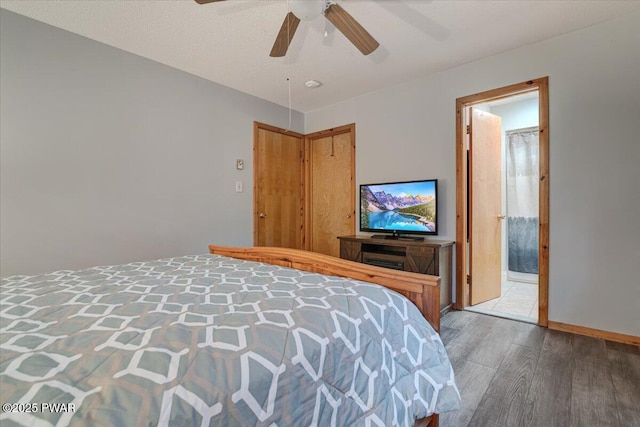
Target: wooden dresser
{"points": [[424, 256]]}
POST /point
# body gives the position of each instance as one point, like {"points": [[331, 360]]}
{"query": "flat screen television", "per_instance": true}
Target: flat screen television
{"points": [[400, 209]]}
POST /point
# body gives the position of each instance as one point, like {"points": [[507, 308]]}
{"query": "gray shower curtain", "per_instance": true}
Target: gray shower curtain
{"points": [[522, 199]]}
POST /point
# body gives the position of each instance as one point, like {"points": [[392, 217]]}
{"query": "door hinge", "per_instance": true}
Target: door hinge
{"points": [[468, 279], [468, 129]]}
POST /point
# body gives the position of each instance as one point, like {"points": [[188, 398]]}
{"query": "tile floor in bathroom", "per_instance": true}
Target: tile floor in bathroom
{"points": [[518, 301]]}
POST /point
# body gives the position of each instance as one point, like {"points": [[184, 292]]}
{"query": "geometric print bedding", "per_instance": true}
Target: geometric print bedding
{"points": [[215, 341]]}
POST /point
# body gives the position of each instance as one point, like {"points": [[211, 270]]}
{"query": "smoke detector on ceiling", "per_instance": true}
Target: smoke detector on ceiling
{"points": [[312, 84]]}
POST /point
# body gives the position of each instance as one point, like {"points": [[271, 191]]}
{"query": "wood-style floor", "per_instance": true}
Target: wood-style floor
{"points": [[511, 373]]}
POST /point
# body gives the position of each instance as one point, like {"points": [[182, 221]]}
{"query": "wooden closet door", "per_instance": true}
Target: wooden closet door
{"points": [[332, 191], [278, 187]]}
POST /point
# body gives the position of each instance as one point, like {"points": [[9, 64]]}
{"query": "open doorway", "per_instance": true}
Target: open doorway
{"points": [[502, 202], [516, 166]]}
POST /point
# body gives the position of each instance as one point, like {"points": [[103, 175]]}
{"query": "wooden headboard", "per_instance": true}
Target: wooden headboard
{"points": [[422, 289]]}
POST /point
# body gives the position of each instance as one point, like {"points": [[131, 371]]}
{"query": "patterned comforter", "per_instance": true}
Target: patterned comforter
{"points": [[209, 340]]}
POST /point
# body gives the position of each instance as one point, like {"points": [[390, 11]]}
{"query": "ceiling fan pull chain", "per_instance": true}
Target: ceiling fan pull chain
{"points": [[289, 85], [289, 63]]}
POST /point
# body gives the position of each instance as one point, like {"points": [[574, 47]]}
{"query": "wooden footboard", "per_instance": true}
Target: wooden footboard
{"points": [[431, 421], [422, 289]]}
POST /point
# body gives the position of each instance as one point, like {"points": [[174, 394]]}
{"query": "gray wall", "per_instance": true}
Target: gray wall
{"points": [[408, 132], [107, 157]]}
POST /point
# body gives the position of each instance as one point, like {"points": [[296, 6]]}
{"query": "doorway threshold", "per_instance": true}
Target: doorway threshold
{"points": [[503, 315]]}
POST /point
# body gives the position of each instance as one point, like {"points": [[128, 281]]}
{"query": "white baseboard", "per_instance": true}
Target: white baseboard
{"points": [[522, 277]]}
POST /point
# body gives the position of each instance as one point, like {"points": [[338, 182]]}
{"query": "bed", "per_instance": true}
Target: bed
{"points": [[240, 336]]}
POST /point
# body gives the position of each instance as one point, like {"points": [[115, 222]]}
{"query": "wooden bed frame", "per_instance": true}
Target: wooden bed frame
{"points": [[421, 289]]}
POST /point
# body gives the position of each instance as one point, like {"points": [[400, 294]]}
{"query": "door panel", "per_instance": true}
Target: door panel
{"points": [[485, 206], [278, 188], [332, 192]]}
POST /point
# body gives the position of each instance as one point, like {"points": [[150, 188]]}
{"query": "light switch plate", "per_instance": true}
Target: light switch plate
{"points": [[239, 164], [238, 186]]}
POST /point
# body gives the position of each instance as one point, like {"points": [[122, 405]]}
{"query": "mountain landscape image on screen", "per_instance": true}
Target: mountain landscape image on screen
{"points": [[405, 207]]}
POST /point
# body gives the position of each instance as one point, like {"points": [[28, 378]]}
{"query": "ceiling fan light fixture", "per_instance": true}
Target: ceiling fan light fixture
{"points": [[307, 10]]}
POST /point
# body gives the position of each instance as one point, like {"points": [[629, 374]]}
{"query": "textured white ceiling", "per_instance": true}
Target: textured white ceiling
{"points": [[229, 42]]}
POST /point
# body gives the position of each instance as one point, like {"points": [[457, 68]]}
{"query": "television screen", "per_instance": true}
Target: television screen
{"points": [[399, 207]]}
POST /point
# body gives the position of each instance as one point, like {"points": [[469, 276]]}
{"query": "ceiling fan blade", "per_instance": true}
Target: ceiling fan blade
{"points": [[285, 35], [206, 1], [351, 29]]}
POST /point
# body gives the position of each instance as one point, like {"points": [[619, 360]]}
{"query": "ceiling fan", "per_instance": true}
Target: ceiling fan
{"points": [[310, 9]]}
